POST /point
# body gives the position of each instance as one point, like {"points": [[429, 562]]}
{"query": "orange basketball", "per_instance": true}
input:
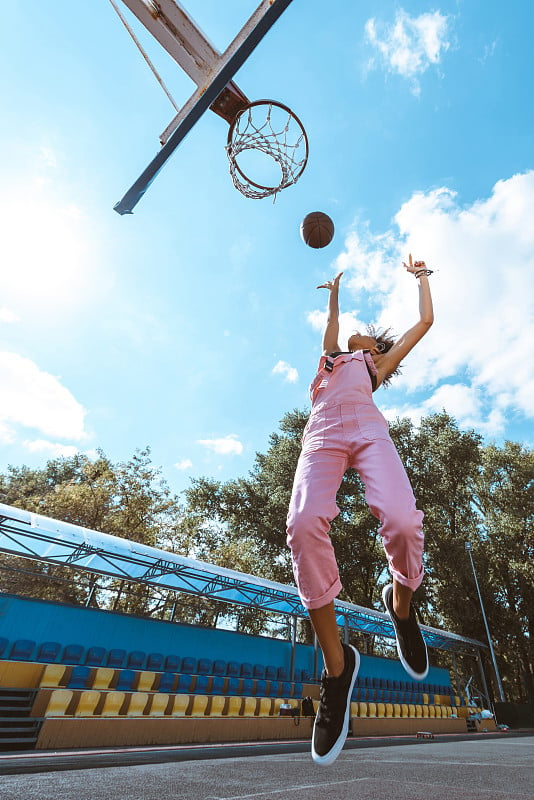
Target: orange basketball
{"points": [[317, 229]]}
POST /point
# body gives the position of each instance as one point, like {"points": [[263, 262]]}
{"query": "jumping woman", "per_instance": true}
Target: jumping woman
{"points": [[345, 429]]}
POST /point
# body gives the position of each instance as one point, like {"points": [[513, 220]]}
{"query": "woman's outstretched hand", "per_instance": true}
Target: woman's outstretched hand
{"points": [[413, 268], [332, 284]]}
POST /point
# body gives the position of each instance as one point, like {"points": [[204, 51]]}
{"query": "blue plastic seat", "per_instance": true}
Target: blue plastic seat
{"points": [[116, 658], [22, 650], [125, 681], [297, 676], [247, 670], [261, 688], [155, 662], [246, 687], [297, 689], [136, 659], [274, 689], [259, 671], [173, 663], [168, 681], [286, 687], [219, 667], [282, 674], [201, 685], [3, 645], [217, 685], [204, 666], [306, 675], [73, 654], [232, 670], [189, 665], [232, 687], [79, 678], [270, 673], [95, 656], [48, 652]]}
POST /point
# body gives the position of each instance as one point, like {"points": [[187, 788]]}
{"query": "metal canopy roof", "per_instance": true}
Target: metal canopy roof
{"points": [[29, 535]]}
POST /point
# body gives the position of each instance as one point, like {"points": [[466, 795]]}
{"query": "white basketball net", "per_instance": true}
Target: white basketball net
{"points": [[284, 140]]}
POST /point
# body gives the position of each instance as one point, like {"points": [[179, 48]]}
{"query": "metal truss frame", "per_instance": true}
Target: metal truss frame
{"points": [[40, 538]]}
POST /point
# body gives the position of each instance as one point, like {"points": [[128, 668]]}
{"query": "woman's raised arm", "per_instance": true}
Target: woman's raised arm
{"points": [[331, 332], [387, 363]]}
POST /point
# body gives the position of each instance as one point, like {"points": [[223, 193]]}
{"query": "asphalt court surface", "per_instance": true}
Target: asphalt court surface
{"points": [[473, 769]]}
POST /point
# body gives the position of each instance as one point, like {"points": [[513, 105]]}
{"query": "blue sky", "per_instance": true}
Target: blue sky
{"points": [[194, 325]]}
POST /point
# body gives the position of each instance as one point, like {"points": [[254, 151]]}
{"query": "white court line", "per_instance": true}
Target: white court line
{"points": [[287, 789], [468, 791]]}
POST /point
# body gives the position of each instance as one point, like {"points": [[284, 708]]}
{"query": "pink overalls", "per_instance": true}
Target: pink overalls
{"points": [[345, 429]]}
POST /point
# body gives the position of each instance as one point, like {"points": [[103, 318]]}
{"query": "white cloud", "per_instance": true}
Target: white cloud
{"points": [[227, 446], [6, 315], [462, 402], [53, 449], [45, 249], [283, 368], [410, 44], [185, 463], [483, 286], [32, 398]]}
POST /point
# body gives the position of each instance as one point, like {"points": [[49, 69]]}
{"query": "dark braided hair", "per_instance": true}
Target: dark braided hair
{"points": [[385, 340]]}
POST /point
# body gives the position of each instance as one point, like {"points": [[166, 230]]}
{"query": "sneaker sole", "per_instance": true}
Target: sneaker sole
{"points": [[331, 756], [417, 676]]}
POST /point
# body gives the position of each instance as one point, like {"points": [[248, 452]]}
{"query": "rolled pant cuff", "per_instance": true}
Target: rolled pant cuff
{"points": [[410, 583], [326, 598]]}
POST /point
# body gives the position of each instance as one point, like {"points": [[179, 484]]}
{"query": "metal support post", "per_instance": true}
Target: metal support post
{"points": [[493, 659]]}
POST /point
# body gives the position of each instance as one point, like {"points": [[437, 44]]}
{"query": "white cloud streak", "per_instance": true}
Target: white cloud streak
{"points": [[410, 45], [226, 446], [283, 368], [185, 463], [34, 399]]}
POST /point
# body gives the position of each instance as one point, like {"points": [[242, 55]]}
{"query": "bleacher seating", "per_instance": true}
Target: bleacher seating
{"points": [[48, 652]]}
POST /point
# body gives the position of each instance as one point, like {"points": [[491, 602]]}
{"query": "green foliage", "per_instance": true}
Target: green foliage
{"points": [[468, 491]]}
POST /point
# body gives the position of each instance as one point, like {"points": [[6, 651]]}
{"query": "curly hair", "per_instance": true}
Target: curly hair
{"points": [[386, 340]]}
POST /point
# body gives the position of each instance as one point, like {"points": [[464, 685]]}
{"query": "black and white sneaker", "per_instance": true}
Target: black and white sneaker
{"points": [[411, 646], [333, 715]]}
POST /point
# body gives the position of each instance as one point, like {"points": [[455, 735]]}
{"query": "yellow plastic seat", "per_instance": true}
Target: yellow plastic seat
{"points": [[217, 706], [362, 710], [380, 710], [180, 705], [264, 710], [390, 712], [431, 711], [113, 704], [138, 702], [354, 709], [103, 678], [53, 675], [418, 711], [276, 705], [87, 703], [404, 710], [397, 709], [200, 704], [159, 704], [234, 706], [371, 709], [438, 711], [426, 699], [411, 710], [58, 703], [146, 681], [426, 712]]}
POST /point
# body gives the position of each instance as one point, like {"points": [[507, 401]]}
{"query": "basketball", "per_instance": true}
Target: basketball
{"points": [[317, 229]]}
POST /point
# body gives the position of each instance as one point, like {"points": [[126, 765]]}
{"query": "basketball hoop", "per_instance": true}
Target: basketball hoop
{"points": [[271, 129]]}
